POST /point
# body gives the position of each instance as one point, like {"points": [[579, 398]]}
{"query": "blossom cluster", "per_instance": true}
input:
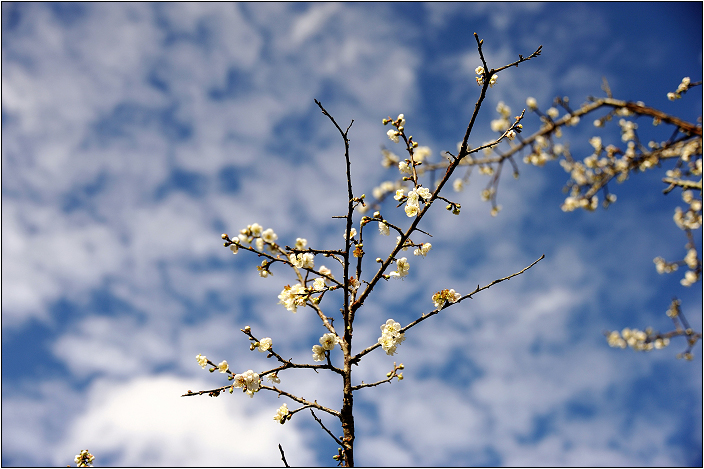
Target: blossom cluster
{"points": [[414, 197], [638, 340], [480, 77], [681, 89], [254, 232], [202, 360], [282, 414], [402, 267], [391, 336], [445, 297], [249, 382], [608, 162], [293, 296], [327, 343], [690, 219], [84, 459], [398, 123]]}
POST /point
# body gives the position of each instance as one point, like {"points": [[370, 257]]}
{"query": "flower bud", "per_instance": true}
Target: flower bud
{"points": [[224, 236]]}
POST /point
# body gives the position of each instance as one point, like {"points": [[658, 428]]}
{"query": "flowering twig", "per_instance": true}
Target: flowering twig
{"points": [[425, 316], [314, 282]]}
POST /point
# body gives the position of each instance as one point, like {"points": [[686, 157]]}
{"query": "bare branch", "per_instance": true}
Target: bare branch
{"points": [[283, 456], [325, 428]]}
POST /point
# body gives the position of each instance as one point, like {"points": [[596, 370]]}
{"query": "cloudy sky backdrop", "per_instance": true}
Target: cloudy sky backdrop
{"points": [[133, 135]]}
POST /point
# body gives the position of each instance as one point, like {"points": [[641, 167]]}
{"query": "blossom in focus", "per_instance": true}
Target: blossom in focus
{"points": [[293, 296], [318, 353], [281, 414], [391, 336], [423, 250], [328, 341], [265, 344], [445, 296], [402, 267], [202, 360], [248, 381], [303, 260], [222, 366], [319, 284]]}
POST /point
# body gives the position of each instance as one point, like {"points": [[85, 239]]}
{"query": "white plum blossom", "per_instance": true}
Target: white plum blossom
{"points": [[399, 194], [248, 381], [281, 414], [424, 193], [393, 135], [404, 168], [383, 228], [84, 459], [269, 236], [412, 210], [402, 267], [301, 243], [319, 284], [293, 296], [222, 366], [328, 341], [303, 260], [325, 271], [423, 250], [202, 360], [391, 336], [255, 229], [265, 344], [445, 296], [318, 353]]}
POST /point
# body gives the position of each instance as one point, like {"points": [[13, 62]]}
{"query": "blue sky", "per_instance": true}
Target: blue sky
{"points": [[135, 134]]}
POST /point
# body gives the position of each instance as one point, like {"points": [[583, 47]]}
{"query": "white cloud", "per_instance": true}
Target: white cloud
{"points": [[89, 129], [145, 422]]}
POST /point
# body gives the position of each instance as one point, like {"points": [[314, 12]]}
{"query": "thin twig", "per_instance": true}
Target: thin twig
{"points": [[283, 456], [325, 428], [357, 357]]}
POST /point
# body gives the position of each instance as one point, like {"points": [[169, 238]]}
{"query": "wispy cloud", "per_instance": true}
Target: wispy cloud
{"points": [[134, 134]]}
